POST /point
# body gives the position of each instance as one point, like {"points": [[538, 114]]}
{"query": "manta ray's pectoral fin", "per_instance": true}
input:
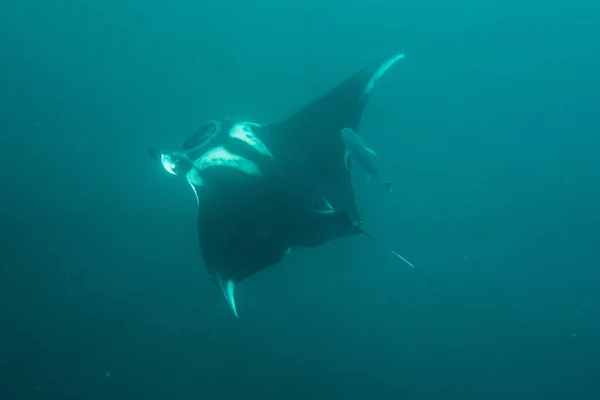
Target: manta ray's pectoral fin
{"points": [[227, 287], [310, 138]]}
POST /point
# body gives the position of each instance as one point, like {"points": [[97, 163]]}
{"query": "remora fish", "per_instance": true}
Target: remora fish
{"points": [[357, 151]]}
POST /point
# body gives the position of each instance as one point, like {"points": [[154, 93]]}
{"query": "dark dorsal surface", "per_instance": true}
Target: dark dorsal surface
{"points": [[250, 227], [247, 222], [312, 140]]}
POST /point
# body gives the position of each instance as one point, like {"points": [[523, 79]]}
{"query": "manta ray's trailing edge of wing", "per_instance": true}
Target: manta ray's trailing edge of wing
{"points": [[265, 189]]}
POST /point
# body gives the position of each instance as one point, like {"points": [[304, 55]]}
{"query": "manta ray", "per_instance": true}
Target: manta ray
{"points": [[266, 189]]}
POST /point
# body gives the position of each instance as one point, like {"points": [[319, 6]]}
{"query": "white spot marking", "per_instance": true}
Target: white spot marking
{"points": [[219, 156], [244, 133]]}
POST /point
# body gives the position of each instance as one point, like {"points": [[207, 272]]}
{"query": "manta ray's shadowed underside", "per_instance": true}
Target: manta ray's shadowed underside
{"points": [[265, 189]]}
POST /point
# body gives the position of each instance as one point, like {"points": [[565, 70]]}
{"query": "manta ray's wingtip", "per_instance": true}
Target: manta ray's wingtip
{"points": [[391, 60], [381, 68], [228, 289], [229, 295]]}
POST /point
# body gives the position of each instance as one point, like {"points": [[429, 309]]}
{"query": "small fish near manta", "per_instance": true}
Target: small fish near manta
{"points": [[264, 189], [357, 151]]}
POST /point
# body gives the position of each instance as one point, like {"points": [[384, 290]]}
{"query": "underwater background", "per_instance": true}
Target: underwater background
{"points": [[490, 125]]}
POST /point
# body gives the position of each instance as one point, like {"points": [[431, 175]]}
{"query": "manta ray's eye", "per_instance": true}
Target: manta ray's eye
{"points": [[200, 136]]}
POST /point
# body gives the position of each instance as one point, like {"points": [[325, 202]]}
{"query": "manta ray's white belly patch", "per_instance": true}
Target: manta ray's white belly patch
{"points": [[243, 132], [221, 157]]}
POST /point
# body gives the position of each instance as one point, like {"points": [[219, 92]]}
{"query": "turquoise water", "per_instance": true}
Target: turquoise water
{"points": [[489, 125]]}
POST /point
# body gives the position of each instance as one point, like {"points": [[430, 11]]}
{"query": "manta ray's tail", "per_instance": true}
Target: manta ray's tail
{"points": [[394, 252]]}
